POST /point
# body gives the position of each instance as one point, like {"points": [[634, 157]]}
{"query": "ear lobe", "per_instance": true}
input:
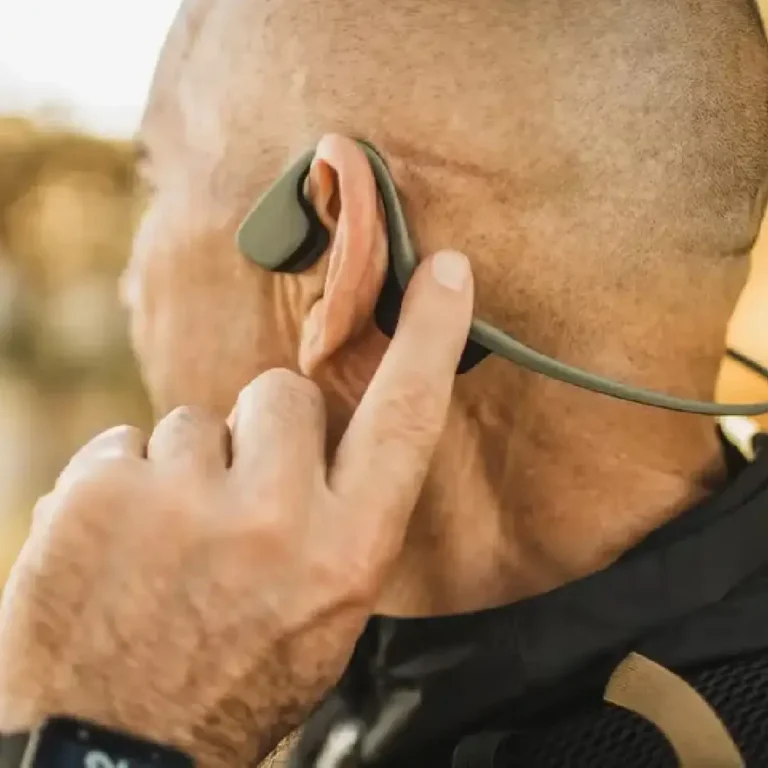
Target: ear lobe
{"points": [[342, 188]]}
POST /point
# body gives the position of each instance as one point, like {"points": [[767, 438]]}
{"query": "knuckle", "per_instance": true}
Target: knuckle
{"points": [[283, 380], [291, 390], [100, 473], [273, 380], [113, 441], [193, 425], [44, 510], [92, 470], [280, 377], [185, 415], [301, 396], [91, 491], [120, 433]]}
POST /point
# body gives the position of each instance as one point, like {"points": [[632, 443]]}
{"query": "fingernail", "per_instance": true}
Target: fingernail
{"points": [[450, 269]]}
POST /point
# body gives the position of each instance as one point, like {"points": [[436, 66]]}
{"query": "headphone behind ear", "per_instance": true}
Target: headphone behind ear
{"points": [[282, 233]]}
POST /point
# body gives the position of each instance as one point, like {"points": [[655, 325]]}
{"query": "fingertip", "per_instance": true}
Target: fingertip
{"points": [[451, 270], [438, 305]]}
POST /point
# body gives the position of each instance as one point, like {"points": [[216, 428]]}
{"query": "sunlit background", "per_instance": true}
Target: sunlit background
{"points": [[90, 61], [74, 76]]}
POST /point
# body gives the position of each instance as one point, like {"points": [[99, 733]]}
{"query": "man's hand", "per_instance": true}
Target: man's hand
{"points": [[207, 586]]}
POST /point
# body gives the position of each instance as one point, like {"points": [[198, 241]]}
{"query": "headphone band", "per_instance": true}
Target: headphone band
{"points": [[283, 233]]}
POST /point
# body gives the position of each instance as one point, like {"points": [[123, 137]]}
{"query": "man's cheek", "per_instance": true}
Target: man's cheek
{"points": [[204, 356]]}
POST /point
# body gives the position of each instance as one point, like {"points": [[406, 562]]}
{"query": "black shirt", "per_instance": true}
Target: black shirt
{"points": [[523, 684]]}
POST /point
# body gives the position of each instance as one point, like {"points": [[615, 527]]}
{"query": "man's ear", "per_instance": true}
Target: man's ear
{"points": [[342, 189]]}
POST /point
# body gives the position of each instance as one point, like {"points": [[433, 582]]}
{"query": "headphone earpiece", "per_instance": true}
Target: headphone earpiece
{"points": [[282, 233]]}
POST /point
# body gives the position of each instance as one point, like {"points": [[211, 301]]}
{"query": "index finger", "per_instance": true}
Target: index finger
{"points": [[383, 458]]}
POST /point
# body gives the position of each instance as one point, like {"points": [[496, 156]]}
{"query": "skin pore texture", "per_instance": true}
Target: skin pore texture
{"points": [[602, 164]]}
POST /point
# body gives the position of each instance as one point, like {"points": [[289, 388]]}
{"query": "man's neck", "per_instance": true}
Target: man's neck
{"points": [[516, 509]]}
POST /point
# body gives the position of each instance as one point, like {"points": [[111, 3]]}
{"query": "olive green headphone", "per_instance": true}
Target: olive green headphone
{"points": [[283, 233]]}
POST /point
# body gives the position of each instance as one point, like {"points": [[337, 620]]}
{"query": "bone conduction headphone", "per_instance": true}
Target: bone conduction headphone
{"points": [[282, 233]]}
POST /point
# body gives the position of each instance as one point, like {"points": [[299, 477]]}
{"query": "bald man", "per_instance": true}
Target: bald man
{"points": [[604, 165], [603, 168]]}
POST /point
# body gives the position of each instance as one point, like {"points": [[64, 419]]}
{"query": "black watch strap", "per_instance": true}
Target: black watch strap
{"points": [[64, 742], [12, 749]]}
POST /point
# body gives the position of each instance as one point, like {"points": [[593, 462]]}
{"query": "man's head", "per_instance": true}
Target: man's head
{"points": [[601, 163]]}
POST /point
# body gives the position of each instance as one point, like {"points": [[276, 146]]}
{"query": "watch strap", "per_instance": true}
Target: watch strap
{"points": [[13, 747]]}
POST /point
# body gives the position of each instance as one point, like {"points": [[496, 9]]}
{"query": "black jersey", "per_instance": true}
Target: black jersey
{"points": [[524, 684]]}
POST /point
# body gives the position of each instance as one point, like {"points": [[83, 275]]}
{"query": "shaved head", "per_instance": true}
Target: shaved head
{"points": [[603, 164], [643, 123], [600, 145]]}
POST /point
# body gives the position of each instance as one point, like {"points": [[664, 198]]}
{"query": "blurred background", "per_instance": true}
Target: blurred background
{"points": [[73, 79]]}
